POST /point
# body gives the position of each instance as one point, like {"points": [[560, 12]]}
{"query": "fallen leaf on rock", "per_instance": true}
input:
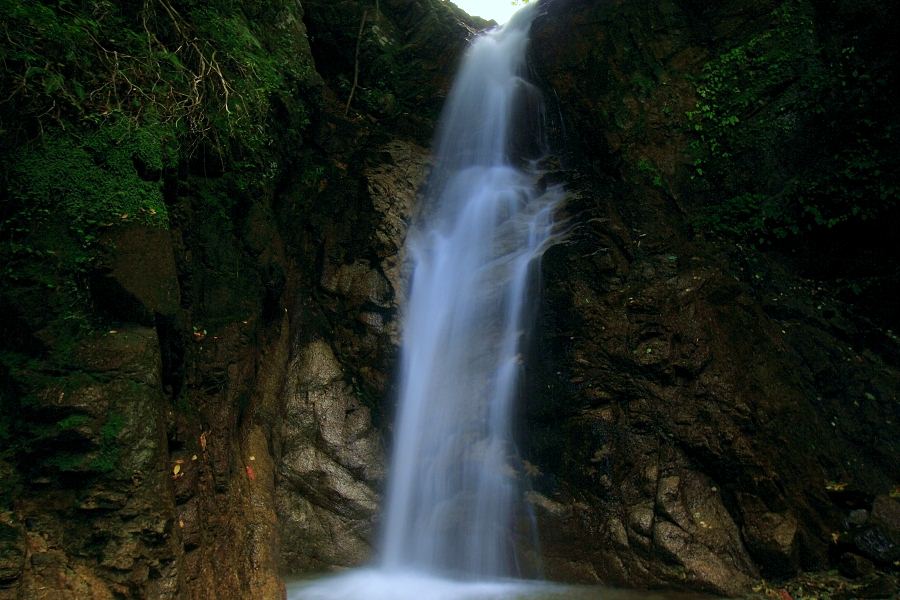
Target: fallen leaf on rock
{"points": [[203, 440], [176, 470]]}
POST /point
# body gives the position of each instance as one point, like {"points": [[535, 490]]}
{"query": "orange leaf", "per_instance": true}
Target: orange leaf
{"points": [[251, 473], [783, 594]]}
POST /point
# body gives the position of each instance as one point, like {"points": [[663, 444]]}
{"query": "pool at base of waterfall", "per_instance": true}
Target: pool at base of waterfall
{"points": [[381, 584]]}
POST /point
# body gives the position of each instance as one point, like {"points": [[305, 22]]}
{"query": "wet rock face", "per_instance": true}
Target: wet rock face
{"points": [[104, 490], [12, 551], [690, 406], [879, 537], [331, 467], [331, 459]]}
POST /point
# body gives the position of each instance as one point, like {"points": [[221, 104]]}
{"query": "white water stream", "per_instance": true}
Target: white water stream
{"points": [[453, 502]]}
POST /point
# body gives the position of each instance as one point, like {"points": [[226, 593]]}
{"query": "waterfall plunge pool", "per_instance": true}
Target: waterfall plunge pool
{"points": [[382, 584]]}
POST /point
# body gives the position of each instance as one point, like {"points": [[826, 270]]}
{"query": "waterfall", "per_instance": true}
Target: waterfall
{"points": [[454, 490], [454, 496]]}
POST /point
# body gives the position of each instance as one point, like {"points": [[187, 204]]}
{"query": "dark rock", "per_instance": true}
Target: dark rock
{"points": [[12, 550], [858, 517], [139, 279], [879, 538], [855, 566], [883, 587], [875, 543], [886, 516]]}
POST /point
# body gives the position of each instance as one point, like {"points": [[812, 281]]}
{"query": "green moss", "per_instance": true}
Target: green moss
{"points": [[266, 71], [102, 178], [228, 275], [63, 192], [206, 68], [649, 171], [643, 84], [66, 462], [107, 458], [104, 458], [72, 422]]}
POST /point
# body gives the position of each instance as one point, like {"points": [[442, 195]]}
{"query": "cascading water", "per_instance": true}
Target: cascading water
{"points": [[453, 490], [454, 493]]}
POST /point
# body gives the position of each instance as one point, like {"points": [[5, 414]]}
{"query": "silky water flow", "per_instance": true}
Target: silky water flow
{"points": [[454, 496]]}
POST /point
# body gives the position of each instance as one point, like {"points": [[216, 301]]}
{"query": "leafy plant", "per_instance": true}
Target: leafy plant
{"points": [[650, 172], [790, 136]]}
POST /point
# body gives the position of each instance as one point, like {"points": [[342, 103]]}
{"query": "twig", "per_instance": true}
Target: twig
{"points": [[362, 24]]}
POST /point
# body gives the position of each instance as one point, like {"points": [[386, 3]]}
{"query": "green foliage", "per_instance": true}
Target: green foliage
{"points": [[52, 440], [738, 81], [789, 135], [72, 422], [109, 175], [745, 215], [643, 83], [63, 191], [649, 171], [108, 113], [201, 68]]}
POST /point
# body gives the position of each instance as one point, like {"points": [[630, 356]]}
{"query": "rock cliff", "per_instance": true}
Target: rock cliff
{"points": [[706, 409]]}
